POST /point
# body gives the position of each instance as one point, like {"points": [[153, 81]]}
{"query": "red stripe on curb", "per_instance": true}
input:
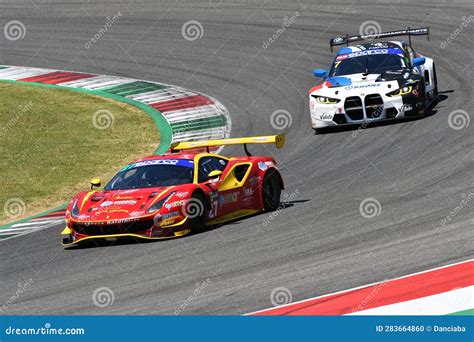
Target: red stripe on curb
{"points": [[181, 103], [385, 293], [55, 214], [57, 77]]}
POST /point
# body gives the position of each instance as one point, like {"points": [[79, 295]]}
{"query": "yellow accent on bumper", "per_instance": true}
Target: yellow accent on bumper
{"points": [[66, 231], [100, 237], [182, 232]]}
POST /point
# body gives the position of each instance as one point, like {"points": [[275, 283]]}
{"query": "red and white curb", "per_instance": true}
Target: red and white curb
{"points": [[34, 224], [440, 291], [191, 115]]}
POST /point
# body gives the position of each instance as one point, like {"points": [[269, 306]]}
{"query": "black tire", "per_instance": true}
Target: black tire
{"points": [[197, 211], [271, 191], [435, 78]]}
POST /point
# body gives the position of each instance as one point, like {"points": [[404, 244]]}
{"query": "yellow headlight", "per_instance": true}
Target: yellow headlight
{"points": [[405, 90], [402, 91], [326, 100]]}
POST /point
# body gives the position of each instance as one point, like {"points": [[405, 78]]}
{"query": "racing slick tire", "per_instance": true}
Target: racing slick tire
{"points": [[435, 78], [197, 212], [271, 191]]}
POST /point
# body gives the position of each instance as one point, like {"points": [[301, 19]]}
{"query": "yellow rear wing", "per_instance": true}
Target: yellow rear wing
{"points": [[278, 140]]}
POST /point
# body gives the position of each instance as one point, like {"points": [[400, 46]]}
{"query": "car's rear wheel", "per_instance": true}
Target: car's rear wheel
{"points": [[435, 78], [196, 210], [271, 191]]}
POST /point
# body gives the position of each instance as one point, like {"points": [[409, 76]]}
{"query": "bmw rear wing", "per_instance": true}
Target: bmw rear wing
{"points": [[422, 31], [278, 140]]}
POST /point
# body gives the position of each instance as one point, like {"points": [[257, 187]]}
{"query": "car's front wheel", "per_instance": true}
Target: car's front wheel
{"points": [[196, 210]]}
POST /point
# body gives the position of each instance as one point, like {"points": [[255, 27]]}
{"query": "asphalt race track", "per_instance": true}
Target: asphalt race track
{"points": [[418, 171]]}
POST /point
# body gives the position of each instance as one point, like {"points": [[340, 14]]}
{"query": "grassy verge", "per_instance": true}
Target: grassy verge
{"points": [[53, 141]]}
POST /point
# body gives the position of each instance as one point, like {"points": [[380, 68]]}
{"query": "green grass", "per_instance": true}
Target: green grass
{"points": [[50, 147]]}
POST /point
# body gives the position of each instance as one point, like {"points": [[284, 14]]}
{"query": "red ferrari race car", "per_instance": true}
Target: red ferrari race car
{"points": [[171, 195]]}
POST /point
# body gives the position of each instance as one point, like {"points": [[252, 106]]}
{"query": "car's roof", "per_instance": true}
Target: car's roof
{"points": [[186, 156]]}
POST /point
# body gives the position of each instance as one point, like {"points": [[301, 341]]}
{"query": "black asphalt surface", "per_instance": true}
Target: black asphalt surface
{"points": [[419, 171]]}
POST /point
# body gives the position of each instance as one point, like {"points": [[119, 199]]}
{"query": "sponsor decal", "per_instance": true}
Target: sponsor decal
{"points": [[111, 211], [326, 116], [248, 192], [229, 198], [254, 180], [106, 203], [175, 204], [83, 217], [262, 166], [405, 108], [119, 197], [169, 215], [182, 194], [179, 162], [374, 52], [363, 86], [136, 213], [127, 220], [125, 202]]}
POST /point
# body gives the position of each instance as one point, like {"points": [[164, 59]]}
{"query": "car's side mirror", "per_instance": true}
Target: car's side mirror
{"points": [[214, 175], [320, 73], [95, 183], [419, 61]]}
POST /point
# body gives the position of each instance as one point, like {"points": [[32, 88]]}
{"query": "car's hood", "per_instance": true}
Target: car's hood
{"points": [[356, 84], [118, 204]]}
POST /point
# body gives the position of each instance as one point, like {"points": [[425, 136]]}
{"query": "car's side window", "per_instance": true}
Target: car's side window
{"points": [[411, 53], [208, 164]]}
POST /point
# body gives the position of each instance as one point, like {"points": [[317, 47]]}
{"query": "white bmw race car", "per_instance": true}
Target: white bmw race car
{"points": [[373, 82]]}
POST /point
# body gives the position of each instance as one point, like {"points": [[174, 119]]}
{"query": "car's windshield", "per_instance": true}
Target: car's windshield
{"points": [[371, 64], [153, 173]]}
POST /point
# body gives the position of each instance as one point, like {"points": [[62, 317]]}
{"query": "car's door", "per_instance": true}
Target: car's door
{"points": [[205, 165], [227, 191]]}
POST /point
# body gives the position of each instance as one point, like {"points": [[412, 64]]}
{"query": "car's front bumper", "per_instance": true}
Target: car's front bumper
{"points": [[365, 110], [75, 235]]}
